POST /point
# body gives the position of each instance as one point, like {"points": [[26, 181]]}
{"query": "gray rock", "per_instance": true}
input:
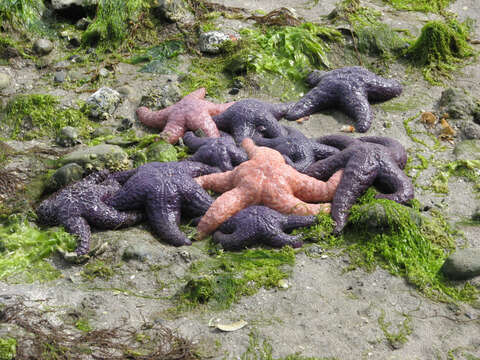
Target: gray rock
{"points": [[457, 103], [175, 11], [469, 130], [63, 4], [103, 131], [99, 157], [462, 265], [61, 65], [5, 81], [211, 41], [60, 76], [138, 252], [468, 150], [64, 176], [67, 137], [82, 24], [103, 72], [42, 47], [103, 103], [125, 90], [159, 98]]}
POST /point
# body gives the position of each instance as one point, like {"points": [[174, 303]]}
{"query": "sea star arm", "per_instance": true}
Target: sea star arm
{"points": [[237, 155], [279, 110], [130, 196], [324, 169], [201, 120], [381, 89], [395, 147], [193, 141], [173, 131], [96, 177], [281, 239], [196, 201], [198, 94], [356, 105], [291, 222], [215, 109], [315, 100], [219, 183], [338, 141], [309, 189], [195, 168], [322, 151], [393, 180], [155, 119], [106, 217], [79, 226], [224, 207], [289, 204], [122, 176]]}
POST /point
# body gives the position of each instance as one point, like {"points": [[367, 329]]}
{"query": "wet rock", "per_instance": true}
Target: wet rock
{"points": [[98, 157], [211, 41], [175, 11], [5, 81], [103, 73], [470, 130], [125, 90], [67, 137], [74, 41], [457, 103], [82, 24], [64, 176], [61, 65], [64, 4], [468, 150], [42, 47], [103, 103], [137, 252], [234, 91], [125, 124], [60, 76], [162, 97], [462, 265], [103, 131]]}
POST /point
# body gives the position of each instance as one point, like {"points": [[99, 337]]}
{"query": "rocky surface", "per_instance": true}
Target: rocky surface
{"points": [[328, 308]]}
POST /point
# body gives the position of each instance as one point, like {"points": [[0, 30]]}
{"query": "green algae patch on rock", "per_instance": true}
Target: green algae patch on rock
{"points": [[22, 14], [458, 103], [468, 150], [23, 249], [98, 157], [161, 151], [435, 6], [8, 348], [468, 170], [27, 117], [222, 279], [439, 49]]}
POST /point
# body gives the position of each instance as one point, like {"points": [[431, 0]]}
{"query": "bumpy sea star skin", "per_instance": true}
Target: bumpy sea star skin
{"points": [[366, 161], [252, 118], [349, 89], [190, 113], [260, 224], [264, 179], [299, 151], [80, 205], [221, 152], [164, 191]]}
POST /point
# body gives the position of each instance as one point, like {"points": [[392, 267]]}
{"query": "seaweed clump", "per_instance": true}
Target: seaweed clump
{"points": [[466, 169], [439, 48], [221, 280], [435, 6], [30, 116], [21, 14], [24, 248]]}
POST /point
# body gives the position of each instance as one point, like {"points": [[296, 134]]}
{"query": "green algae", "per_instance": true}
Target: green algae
{"points": [[24, 248], [83, 325], [222, 279], [114, 22], [161, 58], [8, 348], [468, 170], [31, 116], [398, 338], [440, 48], [434, 6], [21, 14], [97, 269]]}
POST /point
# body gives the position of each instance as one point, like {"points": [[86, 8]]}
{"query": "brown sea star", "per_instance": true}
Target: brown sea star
{"points": [[264, 179], [190, 113]]}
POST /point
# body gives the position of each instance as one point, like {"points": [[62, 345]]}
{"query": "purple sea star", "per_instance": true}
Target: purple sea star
{"points": [[298, 151], [80, 205], [366, 161], [164, 191], [348, 88], [221, 152], [260, 224], [252, 118]]}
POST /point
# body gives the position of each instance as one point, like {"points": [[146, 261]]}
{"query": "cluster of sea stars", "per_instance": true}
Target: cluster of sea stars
{"points": [[283, 173]]}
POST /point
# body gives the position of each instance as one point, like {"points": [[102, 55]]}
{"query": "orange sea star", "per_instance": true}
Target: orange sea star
{"points": [[264, 179], [190, 113]]}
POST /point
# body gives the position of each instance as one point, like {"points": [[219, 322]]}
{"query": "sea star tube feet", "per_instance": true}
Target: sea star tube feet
{"points": [[80, 205], [190, 113], [260, 224], [165, 191], [267, 180], [350, 89], [366, 161]]}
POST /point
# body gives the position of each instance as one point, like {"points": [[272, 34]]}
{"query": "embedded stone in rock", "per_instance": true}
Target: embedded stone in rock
{"points": [[175, 11], [67, 137], [103, 103], [159, 98], [98, 157], [63, 4], [43, 47], [60, 76], [462, 265], [64, 176], [140, 253], [103, 131], [467, 150], [211, 41], [4, 81], [457, 103]]}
